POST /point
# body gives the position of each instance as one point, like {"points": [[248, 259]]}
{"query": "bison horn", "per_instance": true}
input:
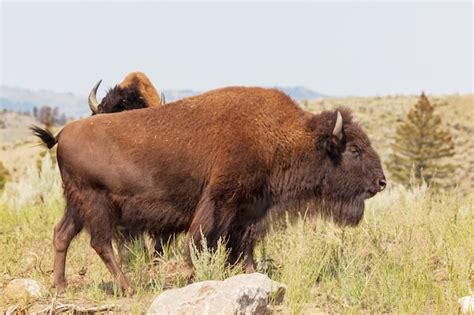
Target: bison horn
{"points": [[93, 104], [162, 99], [338, 127]]}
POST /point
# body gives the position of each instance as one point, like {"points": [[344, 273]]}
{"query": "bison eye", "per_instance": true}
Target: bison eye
{"points": [[355, 151]]}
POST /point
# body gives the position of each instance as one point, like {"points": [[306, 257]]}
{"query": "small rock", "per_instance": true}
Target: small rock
{"points": [[467, 304], [23, 288], [242, 294]]}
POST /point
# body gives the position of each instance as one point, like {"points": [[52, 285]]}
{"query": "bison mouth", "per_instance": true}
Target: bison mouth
{"points": [[369, 194]]}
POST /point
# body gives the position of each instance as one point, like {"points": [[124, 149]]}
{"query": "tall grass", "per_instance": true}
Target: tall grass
{"points": [[412, 253], [210, 264]]}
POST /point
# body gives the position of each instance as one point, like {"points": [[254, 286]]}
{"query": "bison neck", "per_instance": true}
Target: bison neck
{"points": [[296, 180]]}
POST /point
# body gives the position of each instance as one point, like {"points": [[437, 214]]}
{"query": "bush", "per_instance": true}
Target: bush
{"points": [[4, 175]]}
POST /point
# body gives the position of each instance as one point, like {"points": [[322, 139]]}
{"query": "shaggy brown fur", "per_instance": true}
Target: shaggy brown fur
{"points": [[144, 86], [134, 92], [214, 163]]}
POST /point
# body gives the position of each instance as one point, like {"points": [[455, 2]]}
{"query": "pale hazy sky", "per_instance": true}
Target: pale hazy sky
{"points": [[342, 48]]}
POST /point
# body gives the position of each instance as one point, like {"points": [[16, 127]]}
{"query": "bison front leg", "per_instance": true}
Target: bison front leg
{"points": [[242, 241], [161, 240], [210, 223], [66, 229], [201, 225]]}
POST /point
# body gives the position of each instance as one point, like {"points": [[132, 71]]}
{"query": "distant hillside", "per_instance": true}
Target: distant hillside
{"points": [[72, 105], [300, 93], [174, 95], [20, 99]]}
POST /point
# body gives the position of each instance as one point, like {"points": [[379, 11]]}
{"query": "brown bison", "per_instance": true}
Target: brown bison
{"points": [[211, 165], [134, 92]]}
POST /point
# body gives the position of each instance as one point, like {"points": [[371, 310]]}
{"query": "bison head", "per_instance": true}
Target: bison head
{"points": [[352, 171], [135, 91]]}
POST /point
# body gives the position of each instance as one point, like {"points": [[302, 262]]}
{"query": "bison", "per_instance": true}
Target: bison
{"points": [[212, 165], [134, 92]]}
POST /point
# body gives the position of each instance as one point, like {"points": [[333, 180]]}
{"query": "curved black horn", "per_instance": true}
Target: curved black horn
{"points": [[93, 98]]}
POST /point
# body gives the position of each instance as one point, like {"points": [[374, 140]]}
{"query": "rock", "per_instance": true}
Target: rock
{"points": [[23, 289], [467, 304], [241, 294]]}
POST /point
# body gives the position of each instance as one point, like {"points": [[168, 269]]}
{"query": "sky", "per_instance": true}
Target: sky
{"points": [[335, 48]]}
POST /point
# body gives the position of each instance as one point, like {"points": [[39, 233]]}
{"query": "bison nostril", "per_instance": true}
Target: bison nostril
{"points": [[382, 184]]}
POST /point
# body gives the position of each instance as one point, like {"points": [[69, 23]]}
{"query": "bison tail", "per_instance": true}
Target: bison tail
{"points": [[46, 136]]}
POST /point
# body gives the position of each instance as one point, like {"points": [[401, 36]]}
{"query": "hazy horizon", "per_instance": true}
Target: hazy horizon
{"points": [[336, 49]]}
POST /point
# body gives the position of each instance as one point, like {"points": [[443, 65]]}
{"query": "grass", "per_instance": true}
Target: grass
{"points": [[412, 253]]}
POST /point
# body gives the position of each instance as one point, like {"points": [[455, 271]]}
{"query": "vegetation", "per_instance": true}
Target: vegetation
{"points": [[49, 116], [211, 264], [4, 175], [421, 144], [412, 253]]}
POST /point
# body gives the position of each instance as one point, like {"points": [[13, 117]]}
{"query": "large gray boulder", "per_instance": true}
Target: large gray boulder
{"points": [[241, 294]]}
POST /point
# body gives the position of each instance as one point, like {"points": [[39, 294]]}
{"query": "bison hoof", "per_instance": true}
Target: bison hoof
{"points": [[188, 273], [249, 269], [60, 288], [129, 292]]}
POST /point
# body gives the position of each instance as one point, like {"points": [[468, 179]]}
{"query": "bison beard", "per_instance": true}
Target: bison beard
{"points": [[343, 212], [214, 163]]}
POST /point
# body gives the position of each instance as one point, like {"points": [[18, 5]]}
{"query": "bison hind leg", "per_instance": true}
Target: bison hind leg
{"points": [[105, 251], [64, 231], [101, 220]]}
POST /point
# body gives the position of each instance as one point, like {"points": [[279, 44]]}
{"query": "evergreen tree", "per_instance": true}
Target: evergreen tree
{"points": [[45, 116], [421, 147]]}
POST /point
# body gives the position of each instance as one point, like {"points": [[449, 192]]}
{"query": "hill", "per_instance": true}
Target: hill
{"points": [[72, 105], [300, 93]]}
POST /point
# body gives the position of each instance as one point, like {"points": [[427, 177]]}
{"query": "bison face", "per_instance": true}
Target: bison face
{"points": [[118, 99], [352, 168]]}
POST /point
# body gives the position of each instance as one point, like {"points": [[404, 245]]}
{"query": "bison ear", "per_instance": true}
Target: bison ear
{"points": [[334, 145]]}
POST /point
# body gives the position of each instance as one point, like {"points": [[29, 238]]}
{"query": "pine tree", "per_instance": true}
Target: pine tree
{"points": [[421, 147]]}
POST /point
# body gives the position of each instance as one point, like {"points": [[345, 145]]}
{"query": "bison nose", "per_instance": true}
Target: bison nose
{"points": [[382, 184]]}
